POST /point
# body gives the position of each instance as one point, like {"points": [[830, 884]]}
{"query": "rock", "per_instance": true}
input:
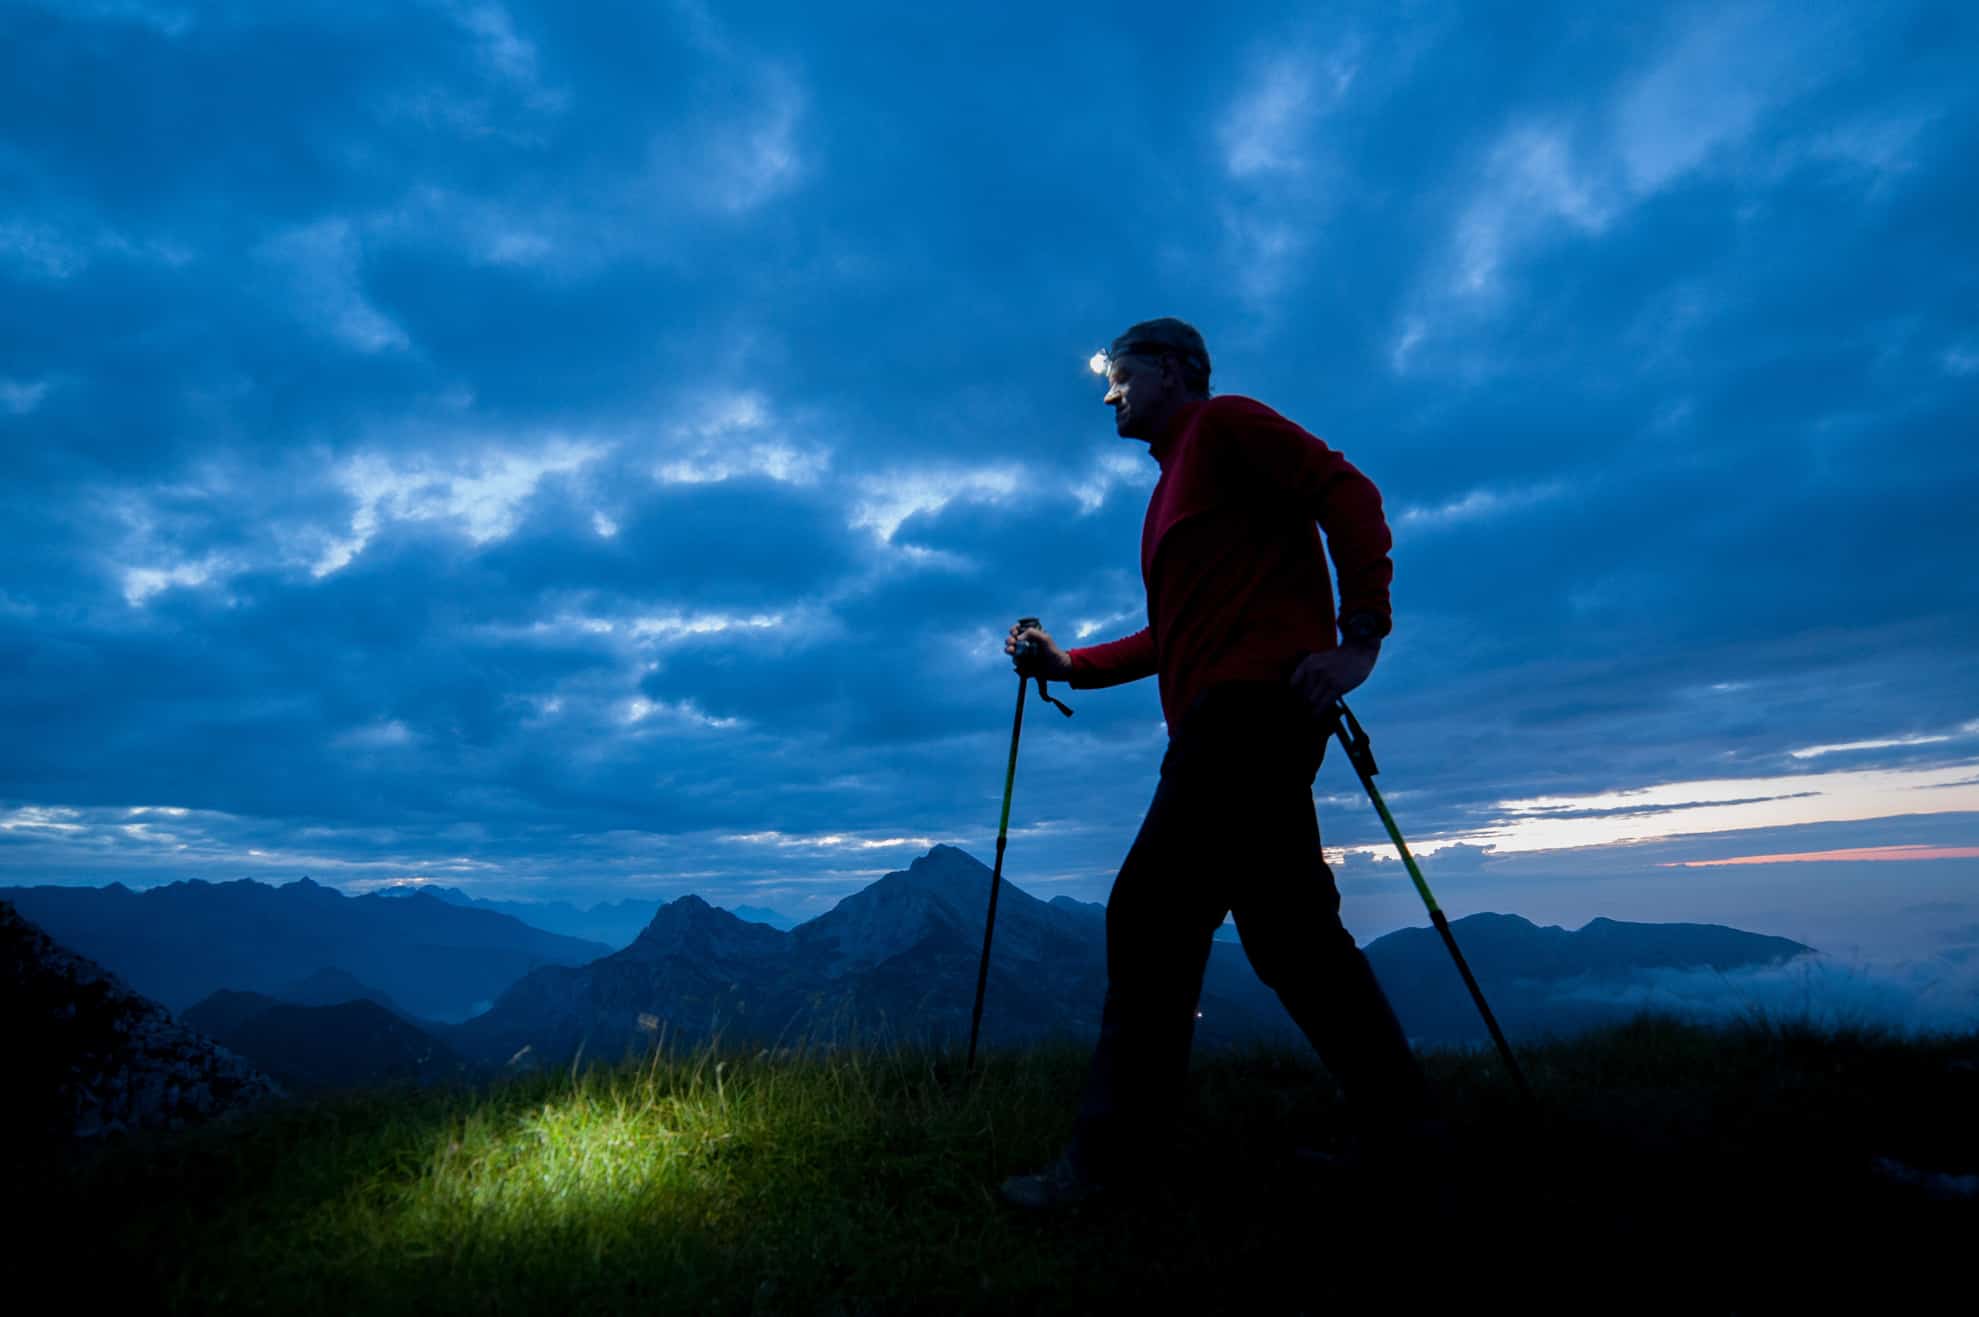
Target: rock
{"points": [[95, 1059]]}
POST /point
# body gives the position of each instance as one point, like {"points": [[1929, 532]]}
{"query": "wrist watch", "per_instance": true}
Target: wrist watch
{"points": [[1364, 627]]}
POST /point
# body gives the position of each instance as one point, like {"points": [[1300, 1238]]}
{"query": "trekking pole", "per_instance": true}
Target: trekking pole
{"points": [[1002, 835], [1363, 760]]}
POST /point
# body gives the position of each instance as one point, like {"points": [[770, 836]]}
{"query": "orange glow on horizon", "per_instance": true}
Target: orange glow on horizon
{"points": [[1911, 851]]}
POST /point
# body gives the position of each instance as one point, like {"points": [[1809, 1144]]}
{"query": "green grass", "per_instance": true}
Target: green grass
{"points": [[1722, 1171]]}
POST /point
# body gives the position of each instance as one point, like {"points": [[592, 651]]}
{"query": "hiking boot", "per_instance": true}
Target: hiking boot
{"points": [[1064, 1183]]}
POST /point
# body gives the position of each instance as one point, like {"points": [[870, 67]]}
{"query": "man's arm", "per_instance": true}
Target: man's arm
{"points": [[1127, 659], [1282, 457], [1117, 661]]}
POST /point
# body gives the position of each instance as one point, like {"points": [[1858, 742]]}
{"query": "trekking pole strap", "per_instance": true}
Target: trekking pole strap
{"points": [[1048, 698]]}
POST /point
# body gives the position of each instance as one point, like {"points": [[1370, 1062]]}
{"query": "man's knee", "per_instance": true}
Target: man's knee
{"points": [[1286, 947]]}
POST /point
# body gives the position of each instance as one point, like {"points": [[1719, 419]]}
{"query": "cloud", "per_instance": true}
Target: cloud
{"points": [[889, 498], [1277, 169], [638, 710], [1917, 851], [1531, 184], [40, 251], [672, 626], [449, 383], [1960, 361], [1582, 172], [322, 263], [141, 583], [736, 435], [1883, 146], [1726, 67], [1263, 130], [387, 735], [18, 398], [1725, 804], [505, 53], [499, 233], [1479, 505], [41, 818], [743, 148], [1111, 470], [1884, 743], [1910, 996], [755, 158], [830, 841], [480, 495]]}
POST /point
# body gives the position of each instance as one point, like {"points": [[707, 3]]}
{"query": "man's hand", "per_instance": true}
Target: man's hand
{"points": [[1326, 676], [1045, 660]]}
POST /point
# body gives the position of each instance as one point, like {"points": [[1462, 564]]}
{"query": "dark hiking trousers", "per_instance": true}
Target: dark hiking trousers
{"points": [[1232, 830]]}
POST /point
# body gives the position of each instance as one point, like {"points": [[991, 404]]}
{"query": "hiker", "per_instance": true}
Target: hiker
{"points": [[1241, 637]]}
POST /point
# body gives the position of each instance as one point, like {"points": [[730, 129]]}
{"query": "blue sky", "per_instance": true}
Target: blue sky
{"points": [[587, 451]]}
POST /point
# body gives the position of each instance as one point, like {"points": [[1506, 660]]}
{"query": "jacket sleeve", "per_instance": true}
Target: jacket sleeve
{"points": [[1272, 454], [1128, 659]]}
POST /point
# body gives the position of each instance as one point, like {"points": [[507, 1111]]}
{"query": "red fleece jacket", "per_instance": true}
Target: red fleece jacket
{"points": [[1230, 554]]}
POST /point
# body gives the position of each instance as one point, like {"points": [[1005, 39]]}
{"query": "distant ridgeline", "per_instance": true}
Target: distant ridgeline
{"points": [[614, 923], [896, 960], [180, 943], [358, 1041], [899, 959]]}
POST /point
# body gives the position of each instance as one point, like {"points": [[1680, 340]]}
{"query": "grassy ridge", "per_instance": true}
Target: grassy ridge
{"points": [[1727, 1171]]}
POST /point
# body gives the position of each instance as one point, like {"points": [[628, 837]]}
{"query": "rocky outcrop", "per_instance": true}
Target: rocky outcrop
{"points": [[88, 1057]]}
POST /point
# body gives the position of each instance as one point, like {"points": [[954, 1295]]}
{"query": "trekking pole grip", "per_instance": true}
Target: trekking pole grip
{"points": [[1025, 648]]}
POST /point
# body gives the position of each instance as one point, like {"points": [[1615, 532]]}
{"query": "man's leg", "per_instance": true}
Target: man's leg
{"points": [[1287, 908], [1160, 918]]}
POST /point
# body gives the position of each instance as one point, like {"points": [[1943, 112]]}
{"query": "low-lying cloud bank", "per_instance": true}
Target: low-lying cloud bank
{"points": [[1913, 998]]}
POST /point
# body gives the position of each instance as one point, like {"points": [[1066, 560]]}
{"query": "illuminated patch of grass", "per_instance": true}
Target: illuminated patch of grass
{"points": [[861, 1181]]}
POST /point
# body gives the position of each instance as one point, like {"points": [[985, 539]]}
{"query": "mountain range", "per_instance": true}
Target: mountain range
{"points": [[418, 986], [896, 960], [614, 923], [899, 960], [181, 942]]}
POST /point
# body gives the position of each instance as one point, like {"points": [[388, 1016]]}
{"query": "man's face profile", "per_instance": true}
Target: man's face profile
{"points": [[1141, 390]]}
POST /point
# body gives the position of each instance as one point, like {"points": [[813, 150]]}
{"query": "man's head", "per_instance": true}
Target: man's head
{"points": [[1152, 371]]}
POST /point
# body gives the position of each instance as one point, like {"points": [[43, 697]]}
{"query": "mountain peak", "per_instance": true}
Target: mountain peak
{"points": [[948, 877], [940, 896], [757, 914], [1073, 905], [946, 860], [688, 924]]}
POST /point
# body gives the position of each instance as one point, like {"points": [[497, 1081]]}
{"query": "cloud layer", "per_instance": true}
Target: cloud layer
{"points": [[586, 450]]}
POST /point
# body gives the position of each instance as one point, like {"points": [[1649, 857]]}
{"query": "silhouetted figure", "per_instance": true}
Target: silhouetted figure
{"points": [[1241, 634]]}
